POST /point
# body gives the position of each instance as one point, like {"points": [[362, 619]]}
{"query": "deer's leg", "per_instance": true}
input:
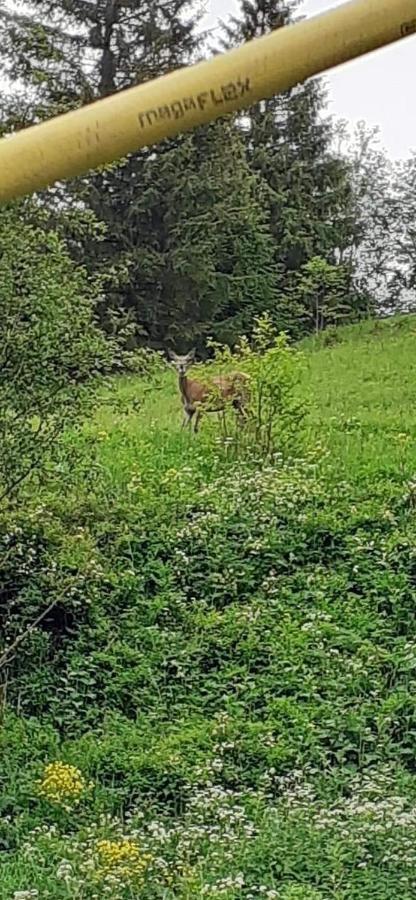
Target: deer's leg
{"points": [[188, 414], [196, 421], [239, 408]]}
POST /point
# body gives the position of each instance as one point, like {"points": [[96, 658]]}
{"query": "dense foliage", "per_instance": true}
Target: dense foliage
{"points": [[220, 699], [50, 346]]}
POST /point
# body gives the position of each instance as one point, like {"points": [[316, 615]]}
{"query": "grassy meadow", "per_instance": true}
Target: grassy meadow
{"points": [[221, 702], [359, 384]]}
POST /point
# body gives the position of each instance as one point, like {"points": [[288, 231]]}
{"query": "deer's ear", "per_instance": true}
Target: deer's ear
{"points": [[191, 355], [172, 355]]}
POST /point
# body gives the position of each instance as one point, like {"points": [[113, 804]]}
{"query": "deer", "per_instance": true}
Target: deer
{"points": [[213, 395]]}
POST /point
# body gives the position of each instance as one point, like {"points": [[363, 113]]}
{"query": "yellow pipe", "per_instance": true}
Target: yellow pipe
{"points": [[75, 142]]}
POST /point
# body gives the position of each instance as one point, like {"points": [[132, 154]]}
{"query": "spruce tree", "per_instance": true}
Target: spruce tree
{"points": [[290, 145], [69, 52], [196, 244], [186, 249]]}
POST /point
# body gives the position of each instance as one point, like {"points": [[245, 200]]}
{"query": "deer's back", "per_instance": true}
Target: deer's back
{"points": [[229, 385], [223, 386]]}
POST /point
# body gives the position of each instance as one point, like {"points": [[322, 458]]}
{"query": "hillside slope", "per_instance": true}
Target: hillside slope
{"points": [[363, 387], [229, 675]]}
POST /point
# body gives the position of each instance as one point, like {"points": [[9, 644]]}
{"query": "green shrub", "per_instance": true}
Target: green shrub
{"points": [[274, 409], [50, 347]]}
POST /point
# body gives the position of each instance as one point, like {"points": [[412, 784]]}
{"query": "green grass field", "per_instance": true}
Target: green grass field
{"points": [[361, 391], [229, 676], [363, 396]]}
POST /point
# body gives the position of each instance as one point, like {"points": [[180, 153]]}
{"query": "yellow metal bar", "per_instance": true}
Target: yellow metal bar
{"points": [[75, 142]]}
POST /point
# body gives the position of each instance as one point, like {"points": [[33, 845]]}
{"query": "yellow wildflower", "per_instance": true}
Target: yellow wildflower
{"points": [[121, 859], [61, 783]]}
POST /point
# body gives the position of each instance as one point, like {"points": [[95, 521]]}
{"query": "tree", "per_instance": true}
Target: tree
{"points": [[321, 294], [50, 347], [289, 143], [70, 52], [403, 226], [372, 255], [185, 248], [196, 244]]}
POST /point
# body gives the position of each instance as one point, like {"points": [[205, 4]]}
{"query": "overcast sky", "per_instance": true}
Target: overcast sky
{"points": [[378, 88]]}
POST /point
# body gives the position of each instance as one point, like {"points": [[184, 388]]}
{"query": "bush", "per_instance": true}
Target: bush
{"points": [[49, 346], [274, 409]]}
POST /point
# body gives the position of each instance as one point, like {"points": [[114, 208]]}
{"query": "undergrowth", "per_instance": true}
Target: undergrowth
{"points": [[220, 701]]}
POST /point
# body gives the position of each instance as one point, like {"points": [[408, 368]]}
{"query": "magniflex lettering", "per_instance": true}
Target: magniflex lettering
{"points": [[179, 108]]}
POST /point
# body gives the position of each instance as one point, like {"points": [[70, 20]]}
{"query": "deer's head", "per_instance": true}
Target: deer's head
{"points": [[182, 363]]}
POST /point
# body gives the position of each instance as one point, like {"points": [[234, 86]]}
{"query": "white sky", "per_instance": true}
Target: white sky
{"points": [[378, 88]]}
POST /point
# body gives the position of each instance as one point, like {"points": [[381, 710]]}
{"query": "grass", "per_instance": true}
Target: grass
{"points": [[363, 393], [361, 390], [230, 670]]}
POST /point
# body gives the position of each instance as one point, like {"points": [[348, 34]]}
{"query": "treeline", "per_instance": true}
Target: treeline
{"points": [[274, 210]]}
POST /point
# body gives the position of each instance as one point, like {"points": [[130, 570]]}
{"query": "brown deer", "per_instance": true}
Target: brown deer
{"points": [[213, 396]]}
